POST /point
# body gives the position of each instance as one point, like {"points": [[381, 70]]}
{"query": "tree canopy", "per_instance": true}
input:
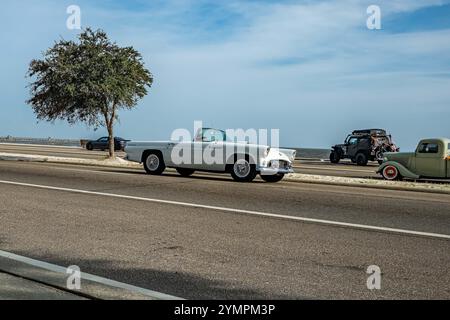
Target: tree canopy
{"points": [[87, 81]]}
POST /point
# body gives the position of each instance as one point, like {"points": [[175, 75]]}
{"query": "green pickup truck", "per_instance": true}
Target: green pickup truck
{"points": [[430, 160]]}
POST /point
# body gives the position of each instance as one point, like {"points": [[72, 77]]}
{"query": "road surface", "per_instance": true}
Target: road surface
{"points": [[345, 169], [209, 237]]}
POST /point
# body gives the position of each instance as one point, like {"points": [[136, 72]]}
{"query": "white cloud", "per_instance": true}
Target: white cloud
{"points": [[310, 68]]}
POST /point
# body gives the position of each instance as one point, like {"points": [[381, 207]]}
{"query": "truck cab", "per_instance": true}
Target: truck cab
{"points": [[431, 159]]}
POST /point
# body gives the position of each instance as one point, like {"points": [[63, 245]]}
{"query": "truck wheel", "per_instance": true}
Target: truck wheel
{"points": [[243, 171], [185, 172], [361, 159], [335, 157], [154, 163], [273, 177], [390, 173], [89, 147]]}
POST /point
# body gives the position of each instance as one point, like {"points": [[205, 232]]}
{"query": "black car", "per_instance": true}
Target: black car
{"points": [[102, 144], [364, 145]]}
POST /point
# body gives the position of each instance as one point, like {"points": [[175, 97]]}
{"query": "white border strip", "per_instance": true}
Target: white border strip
{"points": [[241, 211], [87, 276]]}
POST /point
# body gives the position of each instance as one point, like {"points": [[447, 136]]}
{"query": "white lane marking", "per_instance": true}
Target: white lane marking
{"points": [[241, 211], [87, 276]]}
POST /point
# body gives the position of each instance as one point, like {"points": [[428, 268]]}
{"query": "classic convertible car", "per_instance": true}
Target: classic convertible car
{"points": [[430, 160], [212, 151]]}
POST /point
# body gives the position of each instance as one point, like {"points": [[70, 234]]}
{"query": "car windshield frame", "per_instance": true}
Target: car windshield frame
{"points": [[216, 132]]}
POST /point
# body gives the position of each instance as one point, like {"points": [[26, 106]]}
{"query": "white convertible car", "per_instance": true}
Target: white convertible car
{"points": [[212, 151]]}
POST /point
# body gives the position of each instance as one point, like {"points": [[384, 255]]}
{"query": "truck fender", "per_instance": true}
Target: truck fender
{"points": [[401, 168]]}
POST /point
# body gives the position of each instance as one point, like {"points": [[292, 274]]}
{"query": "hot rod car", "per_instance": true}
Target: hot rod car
{"points": [[430, 160]]}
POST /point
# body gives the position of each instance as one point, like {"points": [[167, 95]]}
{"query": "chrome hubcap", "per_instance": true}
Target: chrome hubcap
{"points": [[152, 162], [241, 168]]}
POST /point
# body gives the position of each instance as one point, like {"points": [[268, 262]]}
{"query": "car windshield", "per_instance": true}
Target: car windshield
{"points": [[209, 135]]}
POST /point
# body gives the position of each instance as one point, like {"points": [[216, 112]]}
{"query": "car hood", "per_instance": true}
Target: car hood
{"points": [[400, 157], [290, 153]]}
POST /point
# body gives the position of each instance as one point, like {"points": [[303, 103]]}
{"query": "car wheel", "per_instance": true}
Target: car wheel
{"points": [[243, 171], [272, 178], [89, 147], [185, 172], [361, 159], [335, 157], [391, 173], [154, 163]]}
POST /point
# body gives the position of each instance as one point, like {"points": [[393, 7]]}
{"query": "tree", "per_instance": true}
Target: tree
{"points": [[88, 81]]}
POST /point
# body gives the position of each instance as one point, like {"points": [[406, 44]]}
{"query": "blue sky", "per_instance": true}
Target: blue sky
{"points": [[309, 68]]}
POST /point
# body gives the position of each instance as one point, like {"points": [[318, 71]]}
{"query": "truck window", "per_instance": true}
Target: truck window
{"points": [[429, 148]]}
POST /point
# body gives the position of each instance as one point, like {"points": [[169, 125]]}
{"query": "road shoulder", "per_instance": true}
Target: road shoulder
{"points": [[48, 279]]}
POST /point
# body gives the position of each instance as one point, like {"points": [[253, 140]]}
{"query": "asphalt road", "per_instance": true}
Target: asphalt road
{"points": [[344, 169], [200, 252]]}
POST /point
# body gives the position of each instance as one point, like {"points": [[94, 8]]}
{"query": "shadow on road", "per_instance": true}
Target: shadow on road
{"points": [[196, 176], [180, 284]]}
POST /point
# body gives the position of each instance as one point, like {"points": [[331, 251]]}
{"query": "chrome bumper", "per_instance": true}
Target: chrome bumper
{"points": [[271, 171]]}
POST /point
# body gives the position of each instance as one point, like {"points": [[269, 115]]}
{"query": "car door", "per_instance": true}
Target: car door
{"points": [[209, 150], [214, 153], [430, 160], [101, 143], [352, 146]]}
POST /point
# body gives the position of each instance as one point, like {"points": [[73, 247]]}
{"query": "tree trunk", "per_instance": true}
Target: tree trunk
{"points": [[111, 139], [109, 121]]}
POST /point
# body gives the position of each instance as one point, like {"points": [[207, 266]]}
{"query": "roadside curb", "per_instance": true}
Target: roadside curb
{"points": [[294, 177], [118, 163], [92, 287], [368, 183]]}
